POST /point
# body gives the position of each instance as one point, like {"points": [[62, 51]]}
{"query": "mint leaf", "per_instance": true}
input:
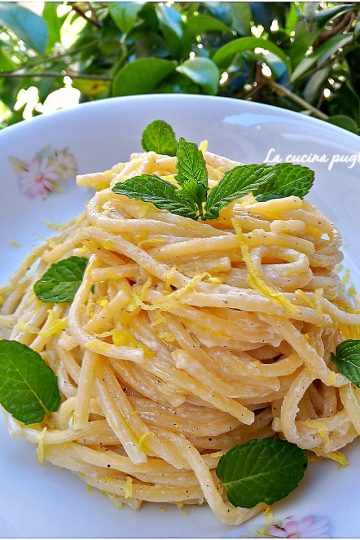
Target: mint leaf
{"points": [[61, 281], [261, 470], [28, 387], [288, 179], [159, 137], [235, 183], [190, 164], [263, 197], [153, 189], [264, 181], [347, 360], [193, 192]]}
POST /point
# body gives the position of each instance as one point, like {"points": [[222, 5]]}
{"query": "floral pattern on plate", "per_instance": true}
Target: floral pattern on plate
{"points": [[307, 527], [45, 173]]}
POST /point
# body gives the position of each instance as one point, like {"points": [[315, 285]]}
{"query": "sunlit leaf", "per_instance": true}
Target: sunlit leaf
{"points": [[203, 72], [124, 15], [90, 87], [6, 63], [240, 17], [172, 27], [198, 24], [224, 55], [321, 54], [141, 76], [26, 24], [54, 23]]}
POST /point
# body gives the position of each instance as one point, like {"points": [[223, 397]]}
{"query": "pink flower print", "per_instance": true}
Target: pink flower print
{"points": [[308, 527], [37, 178], [45, 173], [65, 165]]}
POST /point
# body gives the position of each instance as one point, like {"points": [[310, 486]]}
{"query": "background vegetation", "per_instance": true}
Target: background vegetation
{"points": [[299, 56]]}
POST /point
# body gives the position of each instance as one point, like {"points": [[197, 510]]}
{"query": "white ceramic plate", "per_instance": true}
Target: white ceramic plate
{"points": [[47, 501]]}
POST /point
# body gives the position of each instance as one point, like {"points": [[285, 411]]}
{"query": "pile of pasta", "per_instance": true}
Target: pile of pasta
{"points": [[186, 338]]}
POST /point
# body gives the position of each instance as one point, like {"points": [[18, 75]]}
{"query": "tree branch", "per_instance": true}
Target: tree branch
{"points": [[82, 14], [283, 91], [16, 74]]}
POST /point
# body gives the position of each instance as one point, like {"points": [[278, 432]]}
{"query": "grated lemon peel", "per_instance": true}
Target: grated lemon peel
{"points": [[54, 326], [169, 278], [203, 146], [40, 451], [254, 277], [125, 338], [338, 457], [142, 444], [321, 429], [128, 488]]}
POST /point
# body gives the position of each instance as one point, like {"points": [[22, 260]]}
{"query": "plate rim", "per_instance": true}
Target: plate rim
{"points": [[174, 97]]}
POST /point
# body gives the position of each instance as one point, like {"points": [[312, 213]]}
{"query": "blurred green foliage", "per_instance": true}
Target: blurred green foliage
{"points": [[299, 56]]}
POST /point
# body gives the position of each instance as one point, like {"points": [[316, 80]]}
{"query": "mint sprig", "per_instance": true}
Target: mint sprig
{"points": [[190, 164], [236, 183], [281, 180], [153, 189], [194, 199], [347, 360], [159, 137], [28, 387], [61, 281], [261, 470]]}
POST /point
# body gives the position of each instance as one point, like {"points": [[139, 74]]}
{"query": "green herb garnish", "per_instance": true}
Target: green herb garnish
{"points": [[159, 137], [153, 189], [261, 470], [61, 281], [28, 387], [347, 360], [192, 197]]}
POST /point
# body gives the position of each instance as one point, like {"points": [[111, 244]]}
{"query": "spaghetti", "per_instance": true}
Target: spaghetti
{"points": [[186, 338]]}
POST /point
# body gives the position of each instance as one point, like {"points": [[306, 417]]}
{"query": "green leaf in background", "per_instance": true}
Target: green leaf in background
{"points": [[203, 72], [344, 122], [190, 164], [54, 23], [347, 360], [28, 387], [315, 83], [159, 137], [240, 13], [321, 54], [155, 190], [90, 87], [261, 471], [125, 15], [325, 15], [177, 83], [6, 63], [61, 281], [225, 54], [173, 28], [199, 24], [346, 102], [141, 76], [27, 25]]}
